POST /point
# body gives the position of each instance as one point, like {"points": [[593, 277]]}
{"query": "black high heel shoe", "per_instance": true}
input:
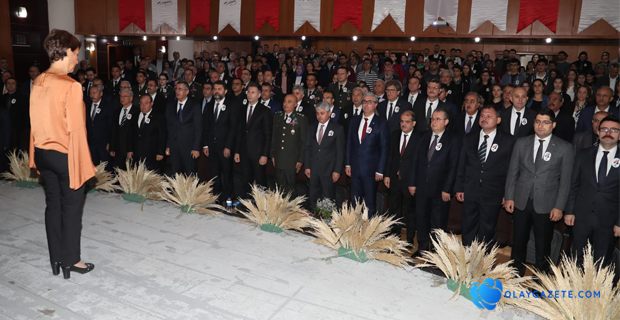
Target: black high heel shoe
{"points": [[55, 268], [66, 270]]}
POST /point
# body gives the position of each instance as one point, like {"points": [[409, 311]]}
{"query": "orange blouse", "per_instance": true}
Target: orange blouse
{"points": [[58, 121]]}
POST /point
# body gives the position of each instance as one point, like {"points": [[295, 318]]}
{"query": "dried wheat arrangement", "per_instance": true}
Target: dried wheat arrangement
{"points": [[464, 266], [275, 211], [19, 171], [568, 274], [138, 183], [354, 235], [105, 180], [190, 194]]}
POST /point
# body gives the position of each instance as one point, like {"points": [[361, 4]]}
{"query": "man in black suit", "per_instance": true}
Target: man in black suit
{"points": [[220, 123], [99, 120], [403, 150], [149, 142], [604, 96], [252, 146], [414, 92], [184, 122], [237, 94], [367, 152], [354, 109], [518, 121], [593, 206], [268, 100], [393, 106], [324, 156], [424, 108], [276, 91], [159, 100], [124, 128], [564, 121], [302, 105], [140, 88], [195, 89], [433, 175], [481, 177], [469, 120], [112, 87], [589, 138]]}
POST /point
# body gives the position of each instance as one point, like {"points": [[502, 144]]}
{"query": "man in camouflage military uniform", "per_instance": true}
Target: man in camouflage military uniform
{"points": [[287, 143]]}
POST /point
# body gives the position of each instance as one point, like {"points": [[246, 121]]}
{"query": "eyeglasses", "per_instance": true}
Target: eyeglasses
{"points": [[369, 102], [608, 130], [543, 122]]}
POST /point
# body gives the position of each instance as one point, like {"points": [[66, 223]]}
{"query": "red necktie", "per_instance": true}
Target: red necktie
{"points": [[364, 129]]}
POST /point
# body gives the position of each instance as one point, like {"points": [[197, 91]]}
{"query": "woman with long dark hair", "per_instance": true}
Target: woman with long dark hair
{"points": [[59, 151]]}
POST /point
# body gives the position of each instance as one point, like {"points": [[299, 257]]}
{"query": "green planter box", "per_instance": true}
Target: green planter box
{"points": [[453, 286], [270, 227], [26, 184], [132, 197], [349, 253]]}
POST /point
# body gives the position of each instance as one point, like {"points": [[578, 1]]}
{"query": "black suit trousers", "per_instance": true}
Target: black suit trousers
{"points": [[181, 161], [220, 168], [64, 207], [321, 186], [401, 206], [247, 172], [543, 234], [431, 213], [600, 236], [479, 221]]}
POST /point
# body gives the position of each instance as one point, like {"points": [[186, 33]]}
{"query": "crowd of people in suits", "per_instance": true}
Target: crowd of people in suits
{"points": [[407, 134]]}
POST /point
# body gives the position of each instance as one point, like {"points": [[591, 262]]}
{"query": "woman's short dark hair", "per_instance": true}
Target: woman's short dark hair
{"points": [[57, 42]]}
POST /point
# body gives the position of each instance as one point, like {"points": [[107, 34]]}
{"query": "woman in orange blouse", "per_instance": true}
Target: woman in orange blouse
{"points": [[59, 151]]}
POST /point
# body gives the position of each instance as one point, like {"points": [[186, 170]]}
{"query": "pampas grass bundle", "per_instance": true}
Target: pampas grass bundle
{"points": [[190, 194], [138, 183], [105, 181], [352, 233], [274, 211], [19, 171], [465, 265], [569, 275]]}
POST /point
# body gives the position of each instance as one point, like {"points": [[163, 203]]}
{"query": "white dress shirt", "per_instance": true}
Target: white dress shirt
{"points": [[142, 115], [513, 118], [361, 127], [473, 119], [537, 144], [318, 129], [412, 97], [433, 134], [179, 103], [390, 105], [599, 156], [434, 105], [402, 139], [357, 110], [120, 114], [489, 141]]}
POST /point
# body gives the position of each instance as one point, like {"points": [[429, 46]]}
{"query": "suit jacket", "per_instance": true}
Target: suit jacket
{"points": [[137, 92], [184, 132], [344, 97], [195, 90], [253, 138], [484, 181], [549, 184], [419, 108], [313, 98], [122, 135], [288, 139], [150, 138], [369, 156], [220, 133], [327, 157], [437, 175], [584, 140], [274, 106], [590, 199], [527, 126], [398, 108], [458, 127], [111, 89], [585, 118], [308, 111], [564, 126], [399, 166], [98, 128], [159, 104]]}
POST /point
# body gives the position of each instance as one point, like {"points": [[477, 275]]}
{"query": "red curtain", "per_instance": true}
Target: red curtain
{"points": [[544, 11], [347, 10], [131, 11], [200, 15], [267, 11]]}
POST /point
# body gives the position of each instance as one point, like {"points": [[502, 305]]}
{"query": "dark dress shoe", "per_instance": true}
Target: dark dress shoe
{"points": [[56, 268], [66, 270]]}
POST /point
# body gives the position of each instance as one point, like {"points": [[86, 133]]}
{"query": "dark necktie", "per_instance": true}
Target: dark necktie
{"points": [[390, 110], [429, 112], [364, 128], [143, 119], [469, 124], [431, 149], [602, 168], [482, 151], [517, 123], [404, 146], [340, 90], [251, 109], [321, 132], [124, 118], [539, 153], [180, 112], [93, 112]]}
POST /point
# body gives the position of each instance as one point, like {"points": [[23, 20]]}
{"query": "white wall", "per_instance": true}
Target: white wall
{"points": [[61, 15], [184, 47]]}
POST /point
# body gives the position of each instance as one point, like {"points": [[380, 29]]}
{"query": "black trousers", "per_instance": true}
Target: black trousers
{"points": [[247, 172], [479, 221], [523, 221], [599, 232], [321, 186], [220, 168], [431, 213], [401, 206], [285, 177], [64, 207], [181, 161]]}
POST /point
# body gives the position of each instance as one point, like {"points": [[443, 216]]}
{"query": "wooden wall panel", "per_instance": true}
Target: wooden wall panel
{"points": [[100, 17], [6, 50]]}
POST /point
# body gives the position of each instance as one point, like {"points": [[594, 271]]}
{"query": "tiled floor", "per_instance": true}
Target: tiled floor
{"points": [[156, 263]]}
